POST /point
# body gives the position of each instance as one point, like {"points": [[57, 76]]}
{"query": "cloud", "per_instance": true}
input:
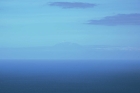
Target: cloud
{"points": [[120, 19], [66, 5], [119, 48]]}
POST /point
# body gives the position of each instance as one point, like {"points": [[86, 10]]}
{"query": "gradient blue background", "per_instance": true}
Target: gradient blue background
{"points": [[69, 46]]}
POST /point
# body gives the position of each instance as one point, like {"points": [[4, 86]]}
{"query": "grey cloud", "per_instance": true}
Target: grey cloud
{"points": [[120, 19], [66, 5]]}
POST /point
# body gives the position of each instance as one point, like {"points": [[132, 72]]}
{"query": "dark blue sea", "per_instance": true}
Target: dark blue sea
{"points": [[69, 76]]}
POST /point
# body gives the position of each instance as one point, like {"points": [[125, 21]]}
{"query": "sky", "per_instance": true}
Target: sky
{"points": [[40, 23], [26, 23]]}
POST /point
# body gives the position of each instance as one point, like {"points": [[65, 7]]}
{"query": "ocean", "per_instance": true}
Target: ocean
{"points": [[69, 76]]}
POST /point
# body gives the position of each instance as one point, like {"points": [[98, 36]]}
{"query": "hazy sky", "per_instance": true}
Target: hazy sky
{"points": [[25, 23]]}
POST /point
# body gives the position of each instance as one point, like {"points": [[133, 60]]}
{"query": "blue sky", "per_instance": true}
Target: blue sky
{"points": [[26, 23], [113, 26]]}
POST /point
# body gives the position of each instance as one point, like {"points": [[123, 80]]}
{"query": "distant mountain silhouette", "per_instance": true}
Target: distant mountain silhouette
{"points": [[67, 45], [68, 50]]}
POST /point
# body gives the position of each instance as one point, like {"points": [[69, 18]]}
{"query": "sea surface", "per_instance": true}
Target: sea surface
{"points": [[69, 76]]}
